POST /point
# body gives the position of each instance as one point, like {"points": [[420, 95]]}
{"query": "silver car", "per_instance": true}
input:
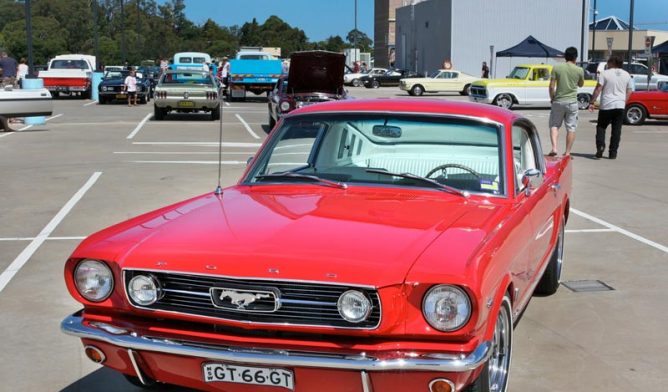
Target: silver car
{"points": [[186, 91]]}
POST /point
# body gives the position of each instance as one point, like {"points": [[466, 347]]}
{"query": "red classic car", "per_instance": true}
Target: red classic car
{"points": [[371, 245], [647, 104]]}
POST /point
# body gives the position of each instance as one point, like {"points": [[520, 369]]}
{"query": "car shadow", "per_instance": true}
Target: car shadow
{"points": [[107, 380], [203, 117], [581, 155]]}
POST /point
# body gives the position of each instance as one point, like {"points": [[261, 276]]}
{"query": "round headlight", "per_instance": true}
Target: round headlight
{"points": [[446, 308], [285, 106], [354, 306], [93, 280], [144, 290]]}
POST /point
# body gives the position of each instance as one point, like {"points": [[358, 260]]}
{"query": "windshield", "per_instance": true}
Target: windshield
{"points": [[116, 74], [461, 154], [181, 78], [254, 57], [69, 64], [519, 73]]}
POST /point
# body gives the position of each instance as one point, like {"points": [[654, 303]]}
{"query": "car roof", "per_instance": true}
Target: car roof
{"points": [[405, 105]]}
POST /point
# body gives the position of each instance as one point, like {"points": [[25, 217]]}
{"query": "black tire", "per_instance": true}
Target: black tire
{"points": [[86, 94], [504, 101], [549, 282], [102, 100], [583, 101], [55, 94], [272, 122], [466, 90], [143, 100], [494, 375], [635, 114], [158, 113], [375, 84], [215, 114], [417, 90]]}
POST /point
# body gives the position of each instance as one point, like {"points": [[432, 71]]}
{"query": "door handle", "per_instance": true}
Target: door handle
{"points": [[555, 187]]}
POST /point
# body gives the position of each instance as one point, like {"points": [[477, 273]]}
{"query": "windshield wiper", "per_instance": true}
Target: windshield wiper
{"points": [[421, 179], [303, 177]]}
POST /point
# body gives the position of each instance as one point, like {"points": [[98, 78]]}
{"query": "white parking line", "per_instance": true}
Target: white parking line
{"points": [[89, 103], [48, 239], [18, 130], [32, 247], [589, 231], [141, 124], [182, 152], [621, 231], [196, 162], [52, 117], [226, 103], [248, 128], [202, 144]]}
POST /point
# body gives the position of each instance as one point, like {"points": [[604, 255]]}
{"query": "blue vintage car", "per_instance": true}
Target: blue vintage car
{"points": [[112, 87]]}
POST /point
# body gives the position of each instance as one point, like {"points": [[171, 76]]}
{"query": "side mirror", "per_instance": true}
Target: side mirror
{"points": [[531, 180], [249, 160]]}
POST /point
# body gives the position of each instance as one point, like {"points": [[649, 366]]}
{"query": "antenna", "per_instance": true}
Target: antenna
{"points": [[219, 189]]}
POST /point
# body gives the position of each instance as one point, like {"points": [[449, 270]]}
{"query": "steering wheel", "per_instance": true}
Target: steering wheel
{"points": [[453, 165]]}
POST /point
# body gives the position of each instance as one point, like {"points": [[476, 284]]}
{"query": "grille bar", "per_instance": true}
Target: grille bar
{"points": [[301, 303]]}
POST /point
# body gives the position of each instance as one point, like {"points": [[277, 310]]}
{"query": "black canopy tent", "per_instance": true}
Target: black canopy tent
{"points": [[530, 47]]}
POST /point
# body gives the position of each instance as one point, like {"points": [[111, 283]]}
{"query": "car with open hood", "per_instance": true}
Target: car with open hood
{"points": [[314, 76], [370, 245]]}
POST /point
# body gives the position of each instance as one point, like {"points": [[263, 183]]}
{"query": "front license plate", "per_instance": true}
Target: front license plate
{"points": [[121, 96], [186, 104], [214, 372]]}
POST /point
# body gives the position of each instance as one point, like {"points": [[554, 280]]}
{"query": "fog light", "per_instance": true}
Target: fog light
{"points": [[441, 385], [94, 354]]}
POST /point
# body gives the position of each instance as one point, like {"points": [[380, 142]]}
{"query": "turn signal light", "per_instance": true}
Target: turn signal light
{"points": [[441, 385], [94, 354]]}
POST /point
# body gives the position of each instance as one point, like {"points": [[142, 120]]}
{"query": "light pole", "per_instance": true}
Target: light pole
{"points": [[122, 34], [582, 33], [96, 36], [355, 35], [630, 33], [28, 12], [593, 34]]}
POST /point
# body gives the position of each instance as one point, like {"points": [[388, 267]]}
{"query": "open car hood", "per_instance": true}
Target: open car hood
{"points": [[316, 72]]}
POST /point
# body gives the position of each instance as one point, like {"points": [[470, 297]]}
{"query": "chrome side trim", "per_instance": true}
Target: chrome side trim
{"points": [[366, 382], [135, 366], [76, 326]]}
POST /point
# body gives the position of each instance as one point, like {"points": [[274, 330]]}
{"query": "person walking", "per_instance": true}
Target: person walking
{"points": [[130, 84], [9, 68], [564, 83], [485, 70], [615, 87]]}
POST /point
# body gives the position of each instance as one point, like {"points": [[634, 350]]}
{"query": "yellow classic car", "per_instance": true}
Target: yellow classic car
{"points": [[527, 85], [443, 80]]}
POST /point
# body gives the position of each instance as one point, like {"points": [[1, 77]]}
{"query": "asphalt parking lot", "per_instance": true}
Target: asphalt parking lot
{"points": [[94, 165]]}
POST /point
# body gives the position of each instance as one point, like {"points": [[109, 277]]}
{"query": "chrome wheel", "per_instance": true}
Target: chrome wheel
{"points": [[635, 115], [417, 90], [357, 82], [499, 362], [560, 251], [504, 101], [583, 101]]}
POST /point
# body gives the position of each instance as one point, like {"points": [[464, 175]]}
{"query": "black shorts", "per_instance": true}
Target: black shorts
{"points": [[132, 93]]}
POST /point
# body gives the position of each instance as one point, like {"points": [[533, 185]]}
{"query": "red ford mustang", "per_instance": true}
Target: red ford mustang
{"points": [[647, 104], [371, 245]]}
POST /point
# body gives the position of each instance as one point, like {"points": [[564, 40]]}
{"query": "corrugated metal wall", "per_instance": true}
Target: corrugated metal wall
{"points": [[463, 30]]}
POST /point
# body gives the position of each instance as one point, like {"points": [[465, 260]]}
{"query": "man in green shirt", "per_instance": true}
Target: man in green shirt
{"points": [[564, 83]]}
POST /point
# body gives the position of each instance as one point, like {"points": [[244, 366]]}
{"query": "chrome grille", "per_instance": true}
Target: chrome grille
{"points": [[301, 303]]}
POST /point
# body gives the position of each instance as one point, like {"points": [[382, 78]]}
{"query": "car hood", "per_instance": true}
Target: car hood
{"points": [[316, 71], [362, 236]]}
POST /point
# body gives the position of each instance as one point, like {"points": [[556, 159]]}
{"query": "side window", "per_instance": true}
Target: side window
{"points": [[524, 153], [454, 75]]}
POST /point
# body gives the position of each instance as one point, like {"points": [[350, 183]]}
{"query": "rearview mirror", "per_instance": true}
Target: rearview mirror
{"points": [[531, 180], [386, 131]]}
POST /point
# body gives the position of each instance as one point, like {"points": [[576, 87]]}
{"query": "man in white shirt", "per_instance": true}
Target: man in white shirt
{"points": [[615, 87], [131, 88]]}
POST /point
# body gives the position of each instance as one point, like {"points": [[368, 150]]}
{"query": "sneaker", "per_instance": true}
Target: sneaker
{"points": [[599, 154], [612, 155]]}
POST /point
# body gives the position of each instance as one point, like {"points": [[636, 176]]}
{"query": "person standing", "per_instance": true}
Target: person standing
{"points": [[9, 68], [485, 70], [131, 87], [564, 83], [22, 71], [615, 87], [225, 70]]}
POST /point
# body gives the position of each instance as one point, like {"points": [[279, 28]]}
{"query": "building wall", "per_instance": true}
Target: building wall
{"points": [[384, 29], [620, 42], [464, 30]]}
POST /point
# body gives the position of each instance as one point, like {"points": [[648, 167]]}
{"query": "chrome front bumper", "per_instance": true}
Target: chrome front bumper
{"points": [[75, 325]]}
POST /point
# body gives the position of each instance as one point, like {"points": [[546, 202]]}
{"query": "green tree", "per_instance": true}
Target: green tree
{"points": [[49, 38], [359, 38]]}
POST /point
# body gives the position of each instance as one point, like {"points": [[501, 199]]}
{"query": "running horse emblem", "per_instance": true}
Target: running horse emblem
{"points": [[241, 300]]}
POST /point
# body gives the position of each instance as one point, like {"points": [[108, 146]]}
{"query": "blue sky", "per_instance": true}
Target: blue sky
{"points": [[322, 18]]}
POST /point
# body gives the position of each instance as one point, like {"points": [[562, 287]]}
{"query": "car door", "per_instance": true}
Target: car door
{"points": [[537, 86], [544, 211]]}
